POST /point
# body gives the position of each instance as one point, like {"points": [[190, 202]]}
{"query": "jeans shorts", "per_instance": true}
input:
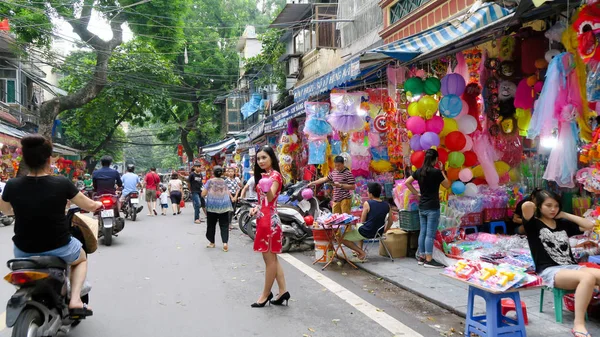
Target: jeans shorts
{"points": [[354, 235], [549, 273], [69, 252], [165, 206]]}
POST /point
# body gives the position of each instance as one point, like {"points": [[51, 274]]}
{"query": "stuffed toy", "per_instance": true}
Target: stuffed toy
{"points": [[506, 98], [587, 27]]}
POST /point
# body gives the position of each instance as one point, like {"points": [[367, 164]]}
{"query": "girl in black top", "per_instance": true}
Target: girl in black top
{"points": [[38, 202], [548, 231]]}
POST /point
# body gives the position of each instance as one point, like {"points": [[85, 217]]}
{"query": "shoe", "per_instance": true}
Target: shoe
{"points": [[285, 297], [420, 260], [225, 248], [433, 264], [179, 212], [155, 213], [174, 213], [580, 334], [196, 221], [260, 305]]}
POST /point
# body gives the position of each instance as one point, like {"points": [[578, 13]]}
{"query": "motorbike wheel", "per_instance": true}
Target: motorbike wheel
{"points": [[8, 221], [286, 244], [133, 213], [108, 236], [187, 196], [28, 323], [243, 220], [251, 229]]}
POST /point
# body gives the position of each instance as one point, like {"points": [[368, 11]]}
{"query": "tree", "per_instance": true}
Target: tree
{"points": [[78, 13], [266, 65]]}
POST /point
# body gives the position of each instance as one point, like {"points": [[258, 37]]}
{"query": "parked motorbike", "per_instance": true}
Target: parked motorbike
{"points": [[186, 194], [39, 307], [131, 205], [243, 213], [109, 222]]}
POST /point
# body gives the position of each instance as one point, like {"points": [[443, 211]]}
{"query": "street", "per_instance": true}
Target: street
{"points": [[158, 279]]}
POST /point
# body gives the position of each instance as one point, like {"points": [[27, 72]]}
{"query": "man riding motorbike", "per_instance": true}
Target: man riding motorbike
{"points": [[38, 201], [105, 179], [131, 183]]}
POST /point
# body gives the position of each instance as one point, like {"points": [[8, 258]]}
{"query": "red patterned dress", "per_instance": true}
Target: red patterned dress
{"points": [[268, 226]]}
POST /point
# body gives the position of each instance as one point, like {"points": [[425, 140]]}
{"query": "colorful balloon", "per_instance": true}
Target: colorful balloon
{"points": [[415, 143], [502, 167], [453, 84], [450, 106], [470, 159], [469, 145], [416, 125], [465, 175], [432, 85], [417, 158], [428, 106], [413, 109], [471, 190], [414, 85], [429, 139], [456, 159], [458, 187], [467, 124], [450, 125], [465, 108], [442, 155], [455, 141], [453, 173], [435, 124]]}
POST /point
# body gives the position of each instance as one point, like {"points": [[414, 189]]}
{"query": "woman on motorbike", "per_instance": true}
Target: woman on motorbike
{"points": [[268, 226], [38, 201]]}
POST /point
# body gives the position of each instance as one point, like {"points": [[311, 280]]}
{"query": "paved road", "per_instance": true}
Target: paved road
{"points": [[158, 279]]}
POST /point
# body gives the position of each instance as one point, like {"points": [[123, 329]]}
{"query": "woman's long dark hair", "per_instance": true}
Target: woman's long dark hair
{"points": [[431, 157], [541, 197], [274, 163]]}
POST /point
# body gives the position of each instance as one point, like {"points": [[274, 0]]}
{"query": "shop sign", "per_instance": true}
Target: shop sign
{"points": [[340, 75], [10, 140], [280, 119], [256, 130]]}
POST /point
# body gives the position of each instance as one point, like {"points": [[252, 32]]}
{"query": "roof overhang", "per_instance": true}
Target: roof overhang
{"points": [[291, 15]]}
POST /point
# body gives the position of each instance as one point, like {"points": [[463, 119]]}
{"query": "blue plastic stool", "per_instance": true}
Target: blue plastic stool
{"points": [[474, 228], [493, 323], [496, 224]]}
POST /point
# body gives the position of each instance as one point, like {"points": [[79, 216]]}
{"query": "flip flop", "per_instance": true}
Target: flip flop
{"points": [[211, 245], [580, 334], [80, 313]]}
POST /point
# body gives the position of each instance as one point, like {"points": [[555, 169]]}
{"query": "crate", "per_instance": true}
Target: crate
{"points": [[491, 214], [410, 220], [471, 219]]}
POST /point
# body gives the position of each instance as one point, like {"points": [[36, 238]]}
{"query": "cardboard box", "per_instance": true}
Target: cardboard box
{"points": [[396, 241]]}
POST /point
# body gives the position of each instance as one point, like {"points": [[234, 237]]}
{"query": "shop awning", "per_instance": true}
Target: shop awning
{"points": [[215, 148], [65, 150], [477, 19], [279, 120], [335, 78]]}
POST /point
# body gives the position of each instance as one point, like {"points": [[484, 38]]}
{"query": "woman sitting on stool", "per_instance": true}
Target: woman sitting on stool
{"points": [[372, 221]]}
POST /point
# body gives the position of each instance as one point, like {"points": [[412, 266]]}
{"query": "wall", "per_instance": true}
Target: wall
{"points": [[363, 33], [319, 62]]}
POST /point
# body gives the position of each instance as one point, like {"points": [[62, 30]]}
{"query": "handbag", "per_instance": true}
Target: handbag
{"points": [[182, 203]]}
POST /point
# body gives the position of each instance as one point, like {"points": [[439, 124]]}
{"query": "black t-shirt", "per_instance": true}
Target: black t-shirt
{"points": [[195, 182], [550, 247], [378, 210], [430, 188], [39, 205]]}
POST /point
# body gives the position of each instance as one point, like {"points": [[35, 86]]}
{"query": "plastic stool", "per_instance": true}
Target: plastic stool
{"points": [[493, 323], [496, 224], [558, 302], [594, 259], [508, 305], [474, 228]]}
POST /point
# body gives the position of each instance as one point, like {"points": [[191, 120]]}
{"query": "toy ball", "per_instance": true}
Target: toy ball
{"points": [[467, 124], [470, 158], [450, 106], [432, 85], [450, 125], [415, 143], [458, 187], [429, 139], [456, 159], [413, 109], [435, 124], [465, 175], [309, 220], [416, 125], [455, 141], [469, 145], [307, 194], [428, 106], [471, 190], [414, 85], [442, 155], [453, 84], [417, 158]]}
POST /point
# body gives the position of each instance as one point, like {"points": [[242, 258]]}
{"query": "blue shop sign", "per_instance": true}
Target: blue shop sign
{"points": [[256, 130], [279, 120], [340, 75]]}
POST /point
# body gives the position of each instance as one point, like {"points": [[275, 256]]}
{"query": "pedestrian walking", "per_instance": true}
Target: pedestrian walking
{"points": [[151, 182], [164, 201], [429, 179], [218, 206], [235, 185], [195, 180], [343, 185], [268, 239], [175, 191]]}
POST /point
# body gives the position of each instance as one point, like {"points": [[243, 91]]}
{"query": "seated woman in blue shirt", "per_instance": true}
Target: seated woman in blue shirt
{"points": [[372, 221]]}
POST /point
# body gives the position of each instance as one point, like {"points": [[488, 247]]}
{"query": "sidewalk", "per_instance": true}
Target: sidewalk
{"points": [[452, 295]]}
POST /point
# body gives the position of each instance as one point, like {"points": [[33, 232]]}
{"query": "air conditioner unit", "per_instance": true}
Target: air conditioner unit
{"points": [[293, 65]]}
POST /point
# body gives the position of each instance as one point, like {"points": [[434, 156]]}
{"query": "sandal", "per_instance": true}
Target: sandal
{"points": [[80, 313], [580, 334], [210, 245], [196, 221], [225, 248]]}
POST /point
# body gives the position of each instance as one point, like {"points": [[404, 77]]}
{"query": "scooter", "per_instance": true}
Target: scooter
{"points": [[6, 220], [109, 222], [39, 307], [130, 205], [243, 213]]}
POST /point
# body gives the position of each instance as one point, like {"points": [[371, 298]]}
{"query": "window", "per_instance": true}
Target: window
{"points": [[404, 7], [233, 117], [7, 91], [304, 41]]}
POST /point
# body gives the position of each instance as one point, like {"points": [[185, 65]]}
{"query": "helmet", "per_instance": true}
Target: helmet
{"points": [[130, 167]]}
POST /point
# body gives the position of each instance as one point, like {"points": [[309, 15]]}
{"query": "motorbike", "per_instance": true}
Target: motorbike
{"points": [[130, 205], [6, 220], [186, 194], [109, 222], [243, 213], [39, 307]]}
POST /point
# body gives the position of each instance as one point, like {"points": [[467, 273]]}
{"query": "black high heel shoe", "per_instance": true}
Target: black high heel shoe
{"points": [[260, 305], [285, 297]]}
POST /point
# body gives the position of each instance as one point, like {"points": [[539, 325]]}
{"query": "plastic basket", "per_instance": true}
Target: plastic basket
{"points": [[491, 214], [471, 219], [410, 220]]}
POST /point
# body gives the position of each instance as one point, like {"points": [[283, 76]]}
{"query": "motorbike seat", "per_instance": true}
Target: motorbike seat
{"points": [[37, 262]]}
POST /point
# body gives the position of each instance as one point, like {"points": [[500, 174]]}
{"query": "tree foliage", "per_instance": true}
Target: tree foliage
{"points": [[266, 65]]}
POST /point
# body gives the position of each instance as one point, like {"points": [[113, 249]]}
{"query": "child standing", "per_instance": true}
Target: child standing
{"points": [[164, 201]]}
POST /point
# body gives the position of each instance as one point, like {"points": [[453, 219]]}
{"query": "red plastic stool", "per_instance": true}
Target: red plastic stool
{"points": [[509, 305]]}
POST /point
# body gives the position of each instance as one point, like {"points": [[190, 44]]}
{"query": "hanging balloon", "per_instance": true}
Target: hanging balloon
{"points": [[435, 124], [432, 85], [465, 175], [450, 106], [453, 84], [456, 159], [414, 85], [429, 139], [471, 190], [442, 155], [470, 159], [416, 125], [455, 141], [465, 108], [415, 143], [413, 109], [417, 158], [469, 144], [467, 124], [450, 125], [453, 173], [458, 187], [428, 106]]}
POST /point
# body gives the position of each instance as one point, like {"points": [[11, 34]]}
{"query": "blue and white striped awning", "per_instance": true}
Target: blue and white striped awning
{"points": [[446, 33]]}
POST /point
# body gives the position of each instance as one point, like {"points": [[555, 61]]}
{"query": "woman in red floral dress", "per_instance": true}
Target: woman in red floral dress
{"points": [[268, 226]]}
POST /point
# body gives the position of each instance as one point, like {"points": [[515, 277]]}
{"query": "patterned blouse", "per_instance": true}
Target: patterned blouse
{"points": [[233, 185], [217, 199]]}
